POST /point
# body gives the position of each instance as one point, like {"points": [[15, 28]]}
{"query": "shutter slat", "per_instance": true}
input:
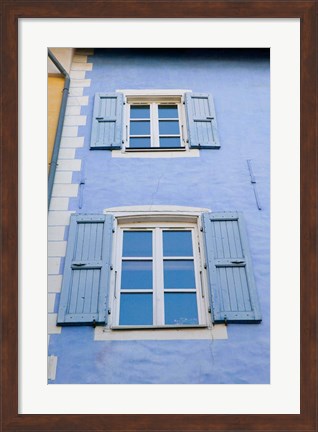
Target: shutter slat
{"points": [[85, 286], [107, 122], [233, 293], [201, 121]]}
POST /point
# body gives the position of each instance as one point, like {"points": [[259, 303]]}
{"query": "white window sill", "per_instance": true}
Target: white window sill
{"points": [[154, 149], [218, 331], [159, 327], [156, 152]]}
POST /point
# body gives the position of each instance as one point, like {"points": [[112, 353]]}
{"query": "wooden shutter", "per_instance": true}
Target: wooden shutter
{"points": [[233, 292], [85, 286], [107, 123], [201, 121]]}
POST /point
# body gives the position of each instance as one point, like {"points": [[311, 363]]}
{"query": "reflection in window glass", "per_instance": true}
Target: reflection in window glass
{"points": [[137, 244], [181, 308], [135, 309], [136, 275], [179, 274], [168, 111], [140, 128], [171, 142], [177, 243], [168, 127], [140, 111], [139, 142]]}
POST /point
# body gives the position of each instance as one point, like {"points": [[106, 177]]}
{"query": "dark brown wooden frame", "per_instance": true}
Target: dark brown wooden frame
{"points": [[12, 10]]}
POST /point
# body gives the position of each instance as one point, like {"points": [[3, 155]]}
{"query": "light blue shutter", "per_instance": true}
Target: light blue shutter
{"points": [[201, 121], [107, 123], [233, 292], [85, 286]]}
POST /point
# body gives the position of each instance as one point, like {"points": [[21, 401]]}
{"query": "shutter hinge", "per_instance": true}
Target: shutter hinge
{"points": [[201, 229], [111, 267], [205, 266], [113, 230], [109, 311], [94, 323], [225, 321], [209, 310]]}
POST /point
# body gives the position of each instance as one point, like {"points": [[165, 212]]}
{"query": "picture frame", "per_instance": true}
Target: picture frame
{"points": [[14, 10]]}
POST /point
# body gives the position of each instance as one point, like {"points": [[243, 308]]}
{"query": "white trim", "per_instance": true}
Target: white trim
{"points": [[218, 331], [159, 216], [153, 153], [149, 209]]}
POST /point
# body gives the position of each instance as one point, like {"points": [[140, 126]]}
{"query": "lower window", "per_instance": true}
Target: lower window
{"points": [[158, 276]]}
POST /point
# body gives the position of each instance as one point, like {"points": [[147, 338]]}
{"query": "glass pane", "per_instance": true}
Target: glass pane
{"points": [[179, 274], [137, 244], [140, 128], [177, 243], [139, 142], [168, 127], [135, 309], [139, 111], [168, 111], [170, 142], [181, 308], [136, 275]]}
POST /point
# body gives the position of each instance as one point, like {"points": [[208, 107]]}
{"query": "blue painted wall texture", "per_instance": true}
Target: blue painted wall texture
{"points": [[239, 81]]}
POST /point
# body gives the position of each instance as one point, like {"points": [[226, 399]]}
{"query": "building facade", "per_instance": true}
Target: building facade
{"points": [[159, 235]]}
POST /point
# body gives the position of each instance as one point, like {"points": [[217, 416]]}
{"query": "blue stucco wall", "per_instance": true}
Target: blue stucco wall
{"points": [[239, 81]]}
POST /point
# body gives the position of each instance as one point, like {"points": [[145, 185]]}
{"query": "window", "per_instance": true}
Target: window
{"points": [[158, 281], [155, 124], [159, 269], [154, 120]]}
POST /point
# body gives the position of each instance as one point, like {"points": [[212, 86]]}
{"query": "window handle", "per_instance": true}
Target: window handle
{"points": [[126, 133], [202, 292], [182, 133]]}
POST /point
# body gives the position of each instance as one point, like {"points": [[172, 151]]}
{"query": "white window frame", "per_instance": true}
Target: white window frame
{"points": [[154, 98], [157, 260], [172, 217]]}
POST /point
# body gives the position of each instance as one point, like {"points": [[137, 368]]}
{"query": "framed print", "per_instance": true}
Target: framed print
{"points": [[176, 267]]}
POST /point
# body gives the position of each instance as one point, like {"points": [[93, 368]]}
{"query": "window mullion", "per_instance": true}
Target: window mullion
{"points": [[158, 279], [154, 125]]}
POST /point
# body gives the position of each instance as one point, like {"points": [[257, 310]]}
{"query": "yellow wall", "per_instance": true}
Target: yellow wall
{"points": [[55, 88]]}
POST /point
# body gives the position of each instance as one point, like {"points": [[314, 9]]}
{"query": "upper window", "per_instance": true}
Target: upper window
{"points": [[155, 124], [152, 120]]}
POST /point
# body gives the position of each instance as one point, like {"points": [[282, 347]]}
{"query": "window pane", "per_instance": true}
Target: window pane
{"points": [[177, 243], [181, 308], [170, 142], [140, 128], [168, 127], [137, 244], [136, 275], [179, 274], [135, 309], [139, 142], [168, 111], [139, 111]]}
